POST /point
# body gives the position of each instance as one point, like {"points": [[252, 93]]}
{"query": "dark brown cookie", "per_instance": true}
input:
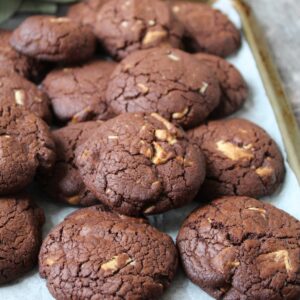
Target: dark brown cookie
{"points": [[241, 248], [21, 236], [207, 29], [78, 93], [26, 146], [167, 81], [65, 183], [16, 90], [241, 158], [54, 39], [86, 11], [98, 254], [11, 60], [127, 26], [234, 90], [140, 163]]}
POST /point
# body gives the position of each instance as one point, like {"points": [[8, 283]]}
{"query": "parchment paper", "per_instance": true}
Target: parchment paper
{"points": [[258, 110]]}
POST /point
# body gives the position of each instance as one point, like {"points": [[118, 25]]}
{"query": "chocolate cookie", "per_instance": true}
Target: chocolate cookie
{"points": [[16, 90], [86, 11], [241, 248], [65, 183], [207, 29], [140, 163], [11, 60], [21, 236], [234, 89], [241, 158], [167, 81], [127, 26], [98, 254], [26, 146], [54, 39], [78, 93]]}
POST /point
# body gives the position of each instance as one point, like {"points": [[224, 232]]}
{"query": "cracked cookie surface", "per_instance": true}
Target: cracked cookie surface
{"points": [[79, 93], [141, 164], [234, 90], [26, 147], [167, 81], [16, 90], [241, 159], [65, 183], [98, 254], [207, 29], [54, 39], [242, 248], [86, 11], [21, 236], [12, 60], [127, 26]]}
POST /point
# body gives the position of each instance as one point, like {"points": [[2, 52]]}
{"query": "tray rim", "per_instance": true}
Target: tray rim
{"points": [[273, 84]]}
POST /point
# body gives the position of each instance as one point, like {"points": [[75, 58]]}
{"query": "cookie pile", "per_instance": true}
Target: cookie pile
{"points": [[139, 90]]}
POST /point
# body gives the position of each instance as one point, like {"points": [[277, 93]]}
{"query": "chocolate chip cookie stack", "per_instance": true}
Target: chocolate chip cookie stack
{"points": [[139, 90]]}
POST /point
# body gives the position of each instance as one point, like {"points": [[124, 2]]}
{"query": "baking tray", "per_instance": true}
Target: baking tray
{"points": [[266, 88], [273, 85]]}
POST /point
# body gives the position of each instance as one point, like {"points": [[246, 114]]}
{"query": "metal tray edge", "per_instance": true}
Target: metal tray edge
{"points": [[272, 82]]}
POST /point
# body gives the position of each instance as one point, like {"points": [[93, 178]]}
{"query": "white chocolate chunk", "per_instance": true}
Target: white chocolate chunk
{"points": [[234, 152], [261, 211], [161, 156], [151, 22], [144, 89], [203, 88], [180, 115], [153, 36], [166, 123], [60, 20], [117, 262], [176, 9], [19, 97], [264, 171], [174, 57]]}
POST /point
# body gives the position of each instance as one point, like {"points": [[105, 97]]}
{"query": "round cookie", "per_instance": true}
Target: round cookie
{"points": [[11, 60], [241, 159], [127, 26], [141, 164], [16, 90], [26, 147], [98, 254], [234, 90], [65, 183], [21, 236], [86, 11], [167, 81], [242, 248], [207, 29], [78, 93], [54, 39]]}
